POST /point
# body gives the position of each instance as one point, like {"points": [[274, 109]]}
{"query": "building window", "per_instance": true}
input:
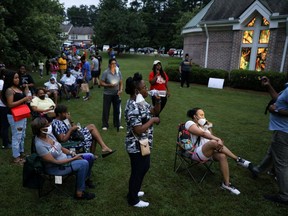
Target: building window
{"points": [[255, 40], [74, 37]]}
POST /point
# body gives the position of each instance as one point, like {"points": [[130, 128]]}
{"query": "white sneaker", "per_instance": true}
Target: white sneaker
{"points": [[141, 193], [121, 127], [142, 204], [242, 162], [104, 128], [230, 188]]}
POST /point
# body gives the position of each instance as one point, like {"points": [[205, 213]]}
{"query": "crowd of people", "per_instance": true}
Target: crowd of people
{"points": [[52, 124]]}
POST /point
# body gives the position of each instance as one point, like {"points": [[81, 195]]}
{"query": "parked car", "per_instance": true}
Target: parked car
{"points": [[171, 52], [179, 52], [148, 50], [105, 48]]}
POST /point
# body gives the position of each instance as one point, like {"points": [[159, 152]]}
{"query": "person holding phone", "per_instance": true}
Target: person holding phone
{"points": [[279, 145]]}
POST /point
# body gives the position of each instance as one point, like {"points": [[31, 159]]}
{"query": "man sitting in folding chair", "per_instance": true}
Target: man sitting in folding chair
{"points": [[211, 147], [53, 155]]}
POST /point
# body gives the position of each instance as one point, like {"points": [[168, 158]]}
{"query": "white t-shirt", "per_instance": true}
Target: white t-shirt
{"points": [[1, 88], [203, 140], [68, 80], [41, 65], [51, 86]]}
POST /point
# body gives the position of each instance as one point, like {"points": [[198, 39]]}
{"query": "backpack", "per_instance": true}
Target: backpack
{"points": [[184, 139], [32, 170]]}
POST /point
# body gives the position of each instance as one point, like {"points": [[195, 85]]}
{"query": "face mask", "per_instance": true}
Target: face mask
{"points": [[140, 99], [49, 130], [42, 97], [202, 121]]}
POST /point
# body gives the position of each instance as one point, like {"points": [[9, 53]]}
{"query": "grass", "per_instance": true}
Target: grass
{"points": [[238, 117]]}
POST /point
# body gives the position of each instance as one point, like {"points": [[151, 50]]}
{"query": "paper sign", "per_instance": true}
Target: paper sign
{"points": [[58, 179], [215, 83]]}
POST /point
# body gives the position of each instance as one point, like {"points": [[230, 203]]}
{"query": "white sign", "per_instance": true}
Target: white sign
{"points": [[215, 83]]}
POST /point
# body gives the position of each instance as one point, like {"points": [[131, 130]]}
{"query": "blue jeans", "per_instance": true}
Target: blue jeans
{"points": [[81, 167], [18, 129]]}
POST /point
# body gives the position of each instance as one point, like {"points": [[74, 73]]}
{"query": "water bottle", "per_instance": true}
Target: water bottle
{"points": [[28, 93]]}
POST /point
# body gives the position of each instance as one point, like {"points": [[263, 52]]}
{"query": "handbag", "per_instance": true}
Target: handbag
{"points": [[144, 145], [85, 87], [21, 112], [77, 136]]}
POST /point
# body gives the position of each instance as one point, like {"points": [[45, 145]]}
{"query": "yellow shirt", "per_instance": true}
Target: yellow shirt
{"points": [[62, 63]]}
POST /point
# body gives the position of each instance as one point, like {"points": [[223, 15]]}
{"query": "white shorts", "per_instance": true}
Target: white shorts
{"points": [[198, 155]]}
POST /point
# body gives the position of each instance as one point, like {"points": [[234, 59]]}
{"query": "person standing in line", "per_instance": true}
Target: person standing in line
{"points": [[47, 66], [140, 118], [95, 70], [279, 145], [99, 57], [41, 68], [86, 73], [4, 124], [159, 81], [185, 70], [111, 80], [13, 96], [62, 64], [26, 80]]}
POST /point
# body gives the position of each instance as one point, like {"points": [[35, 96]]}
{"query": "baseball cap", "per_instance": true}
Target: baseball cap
{"points": [[156, 62]]}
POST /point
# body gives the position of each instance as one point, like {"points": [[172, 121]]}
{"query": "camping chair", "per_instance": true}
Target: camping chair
{"points": [[35, 177], [184, 162]]}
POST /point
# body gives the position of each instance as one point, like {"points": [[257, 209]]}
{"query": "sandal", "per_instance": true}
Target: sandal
{"points": [[107, 153], [85, 196], [18, 161]]}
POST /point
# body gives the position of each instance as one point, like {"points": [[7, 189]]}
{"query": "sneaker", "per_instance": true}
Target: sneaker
{"points": [[242, 162], [141, 193], [142, 204], [86, 98], [230, 188], [104, 128], [121, 127]]}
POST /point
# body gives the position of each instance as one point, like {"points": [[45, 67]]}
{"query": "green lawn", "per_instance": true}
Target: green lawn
{"points": [[238, 118]]}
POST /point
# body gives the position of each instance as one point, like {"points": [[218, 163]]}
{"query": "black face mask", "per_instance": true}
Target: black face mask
{"points": [[42, 97]]}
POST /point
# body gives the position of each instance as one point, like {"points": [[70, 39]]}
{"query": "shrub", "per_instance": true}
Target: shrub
{"points": [[241, 79]]}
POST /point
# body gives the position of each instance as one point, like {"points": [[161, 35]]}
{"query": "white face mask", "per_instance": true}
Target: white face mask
{"points": [[140, 99], [49, 130], [202, 121]]}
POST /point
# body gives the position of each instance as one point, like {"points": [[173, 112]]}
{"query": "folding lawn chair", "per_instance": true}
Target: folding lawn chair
{"points": [[183, 160]]}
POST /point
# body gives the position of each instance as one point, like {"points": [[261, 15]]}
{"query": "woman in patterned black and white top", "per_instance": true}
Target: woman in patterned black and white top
{"points": [[139, 116]]}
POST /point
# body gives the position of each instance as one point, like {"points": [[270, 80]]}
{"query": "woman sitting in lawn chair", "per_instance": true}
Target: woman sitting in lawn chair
{"points": [[53, 155], [210, 146], [63, 128]]}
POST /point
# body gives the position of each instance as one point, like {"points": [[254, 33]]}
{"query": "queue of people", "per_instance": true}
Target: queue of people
{"points": [[140, 116]]}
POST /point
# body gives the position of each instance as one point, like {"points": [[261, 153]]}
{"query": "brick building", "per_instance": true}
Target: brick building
{"points": [[233, 34]]}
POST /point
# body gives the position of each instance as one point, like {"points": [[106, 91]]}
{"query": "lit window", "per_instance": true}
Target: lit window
{"points": [[252, 22], [264, 36], [261, 59], [245, 58], [265, 22], [247, 37]]}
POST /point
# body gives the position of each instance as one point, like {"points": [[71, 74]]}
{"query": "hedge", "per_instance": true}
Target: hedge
{"points": [[241, 79]]}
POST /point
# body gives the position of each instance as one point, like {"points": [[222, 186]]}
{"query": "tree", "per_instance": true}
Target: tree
{"points": [[29, 29], [116, 25], [82, 16]]}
